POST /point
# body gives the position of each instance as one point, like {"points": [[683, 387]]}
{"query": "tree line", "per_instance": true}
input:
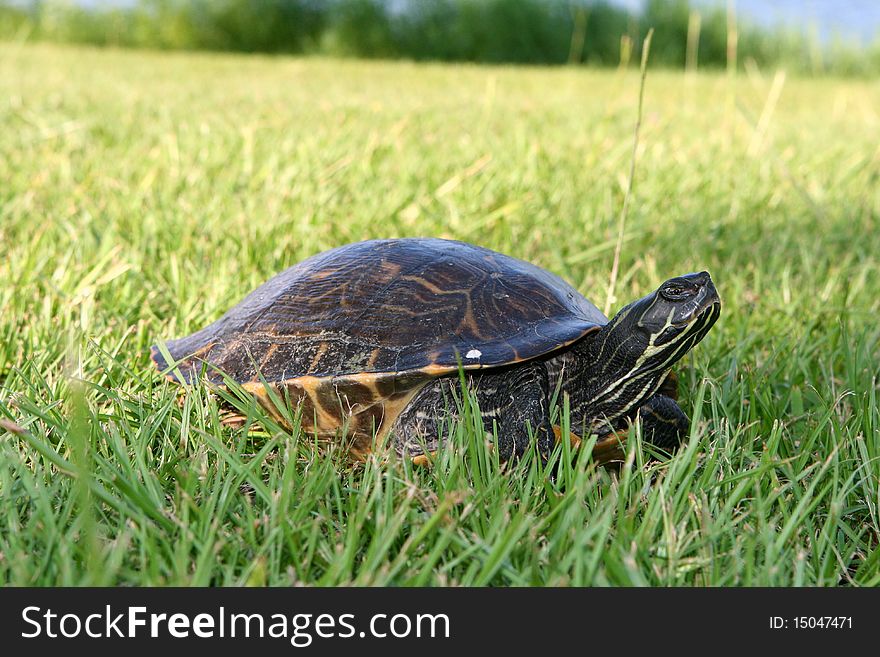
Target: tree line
{"points": [[495, 31]]}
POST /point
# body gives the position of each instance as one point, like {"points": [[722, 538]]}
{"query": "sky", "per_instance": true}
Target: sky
{"points": [[851, 19]]}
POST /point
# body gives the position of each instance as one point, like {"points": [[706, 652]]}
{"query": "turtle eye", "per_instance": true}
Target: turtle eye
{"points": [[674, 292]]}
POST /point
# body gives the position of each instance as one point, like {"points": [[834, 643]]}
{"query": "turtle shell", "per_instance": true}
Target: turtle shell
{"points": [[367, 324]]}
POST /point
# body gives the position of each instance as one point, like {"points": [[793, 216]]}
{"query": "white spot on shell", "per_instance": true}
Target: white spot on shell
{"points": [[473, 353]]}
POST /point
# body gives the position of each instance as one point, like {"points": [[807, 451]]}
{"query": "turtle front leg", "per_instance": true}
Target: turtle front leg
{"points": [[664, 424], [513, 401], [520, 405]]}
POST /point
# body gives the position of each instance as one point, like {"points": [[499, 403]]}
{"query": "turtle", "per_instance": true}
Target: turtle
{"points": [[374, 342]]}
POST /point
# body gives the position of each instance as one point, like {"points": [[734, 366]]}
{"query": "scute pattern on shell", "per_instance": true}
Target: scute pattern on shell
{"points": [[389, 306]]}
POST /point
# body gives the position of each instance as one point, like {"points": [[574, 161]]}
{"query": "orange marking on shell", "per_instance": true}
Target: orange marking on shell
{"points": [[258, 390], [470, 321], [317, 359], [329, 426], [430, 286], [269, 353], [327, 422], [374, 355], [393, 407], [437, 370], [202, 350], [389, 270]]}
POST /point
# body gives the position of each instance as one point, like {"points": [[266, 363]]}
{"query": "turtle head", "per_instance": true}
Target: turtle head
{"points": [[660, 328], [665, 324], [629, 357]]}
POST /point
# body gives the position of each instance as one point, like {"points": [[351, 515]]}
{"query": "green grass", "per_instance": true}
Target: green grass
{"points": [[141, 195]]}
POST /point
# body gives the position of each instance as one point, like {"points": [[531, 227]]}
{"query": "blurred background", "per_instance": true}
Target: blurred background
{"points": [[813, 36]]}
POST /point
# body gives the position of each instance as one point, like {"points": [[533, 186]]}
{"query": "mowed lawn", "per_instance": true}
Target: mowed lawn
{"points": [[143, 194]]}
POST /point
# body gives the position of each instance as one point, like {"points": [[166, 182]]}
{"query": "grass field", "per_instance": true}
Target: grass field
{"points": [[141, 195]]}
